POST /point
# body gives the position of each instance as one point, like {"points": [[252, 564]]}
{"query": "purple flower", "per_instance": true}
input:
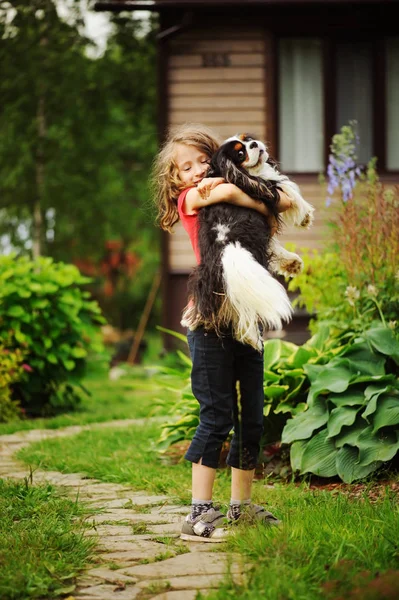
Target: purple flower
{"points": [[342, 169]]}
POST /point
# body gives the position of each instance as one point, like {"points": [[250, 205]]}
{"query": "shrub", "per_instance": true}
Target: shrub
{"points": [[45, 311], [11, 371], [352, 424]]}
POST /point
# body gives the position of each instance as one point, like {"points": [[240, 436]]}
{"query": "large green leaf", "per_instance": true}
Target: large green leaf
{"points": [[275, 391], [298, 382], [343, 415], [270, 377], [272, 353], [302, 426], [348, 467], [302, 356], [349, 435], [352, 397], [313, 371], [296, 453], [363, 361], [319, 340], [387, 412], [334, 377], [379, 446], [372, 393], [319, 456], [384, 341]]}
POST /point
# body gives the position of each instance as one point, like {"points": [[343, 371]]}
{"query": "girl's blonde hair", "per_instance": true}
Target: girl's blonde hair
{"points": [[165, 182]]}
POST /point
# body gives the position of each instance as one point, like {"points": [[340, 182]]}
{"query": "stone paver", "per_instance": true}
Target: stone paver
{"points": [[135, 558]]}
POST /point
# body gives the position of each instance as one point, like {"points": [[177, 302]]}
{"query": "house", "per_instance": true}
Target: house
{"points": [[292, 72]]}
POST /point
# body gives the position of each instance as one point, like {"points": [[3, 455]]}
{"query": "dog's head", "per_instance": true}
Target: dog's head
{"points": [[240, 160], [241, 151]]}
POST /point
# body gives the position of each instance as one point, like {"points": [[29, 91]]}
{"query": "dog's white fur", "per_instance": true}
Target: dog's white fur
{"points": [[301, 213], [266, 302]]}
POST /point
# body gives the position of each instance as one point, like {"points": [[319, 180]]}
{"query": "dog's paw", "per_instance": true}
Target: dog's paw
{"points": [[307, 220], [290, 267]]}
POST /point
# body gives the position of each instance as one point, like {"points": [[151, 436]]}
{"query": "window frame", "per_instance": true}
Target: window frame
{"points": [[329, 44]]}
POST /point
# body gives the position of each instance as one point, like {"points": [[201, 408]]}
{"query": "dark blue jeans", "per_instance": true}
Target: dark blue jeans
{"points": [[218, 364]]}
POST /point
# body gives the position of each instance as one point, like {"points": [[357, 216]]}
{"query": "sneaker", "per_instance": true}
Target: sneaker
{"points": [[205, 528], [251, 513]]}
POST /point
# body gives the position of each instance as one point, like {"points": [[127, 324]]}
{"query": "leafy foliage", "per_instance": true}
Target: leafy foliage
{"points": [[11, 371], [77, 137], [356, 278], [352, 424], [44, 310]]}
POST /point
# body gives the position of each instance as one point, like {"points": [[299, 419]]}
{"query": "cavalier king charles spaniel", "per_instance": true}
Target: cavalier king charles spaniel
{"points": [[233, 289]]}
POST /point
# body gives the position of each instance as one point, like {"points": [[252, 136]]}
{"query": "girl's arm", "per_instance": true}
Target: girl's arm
{"points": [[228, 192]]}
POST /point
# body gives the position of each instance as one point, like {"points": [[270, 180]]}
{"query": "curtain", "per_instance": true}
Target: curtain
{"points": [[354, 93], [301, 127]]}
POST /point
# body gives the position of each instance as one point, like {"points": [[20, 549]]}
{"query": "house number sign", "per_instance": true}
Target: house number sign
{"points": [[216, 59]]}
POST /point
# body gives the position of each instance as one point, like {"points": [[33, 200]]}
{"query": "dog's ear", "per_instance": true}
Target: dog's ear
{"points": [[229, 170], [214, 165]]}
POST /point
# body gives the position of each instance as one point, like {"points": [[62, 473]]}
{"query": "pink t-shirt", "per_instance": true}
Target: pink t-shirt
{"points": [[190, 223]]}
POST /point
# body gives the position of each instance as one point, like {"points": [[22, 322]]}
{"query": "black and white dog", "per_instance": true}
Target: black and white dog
{"points": [[233, 287]]}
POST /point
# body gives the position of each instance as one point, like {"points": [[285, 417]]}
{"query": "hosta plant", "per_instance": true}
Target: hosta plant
{"points": [[351, 426], [286, 383], [45, 311]]}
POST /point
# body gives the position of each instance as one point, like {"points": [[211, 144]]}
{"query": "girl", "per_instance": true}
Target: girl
{"points": [[227, 376]]}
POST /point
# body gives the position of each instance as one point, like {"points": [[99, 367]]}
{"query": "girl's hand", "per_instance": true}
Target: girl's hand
{"points": [[207, 185]]}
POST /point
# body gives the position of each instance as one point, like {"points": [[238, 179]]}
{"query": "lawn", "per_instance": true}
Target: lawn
{"points": [[41, 543], [327, 540], [331, 545]]}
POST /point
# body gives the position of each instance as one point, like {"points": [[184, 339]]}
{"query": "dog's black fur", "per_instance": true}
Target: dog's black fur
{"points": [[246, 226]]}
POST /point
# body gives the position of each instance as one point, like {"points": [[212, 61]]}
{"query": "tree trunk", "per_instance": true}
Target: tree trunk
{"points": [[37, 215]]}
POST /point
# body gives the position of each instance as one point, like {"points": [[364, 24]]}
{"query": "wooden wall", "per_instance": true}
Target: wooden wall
{"points": [[219, 80]]}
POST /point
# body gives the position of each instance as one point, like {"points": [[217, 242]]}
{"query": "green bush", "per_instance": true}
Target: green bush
{"points": [[45, 311], [11, 371], [352, 424]]}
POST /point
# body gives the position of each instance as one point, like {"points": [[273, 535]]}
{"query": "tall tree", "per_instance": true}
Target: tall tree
{"points": [[77, 134]]}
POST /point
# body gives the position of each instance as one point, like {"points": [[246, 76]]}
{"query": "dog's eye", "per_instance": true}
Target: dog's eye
{"points": [[240, 154]]}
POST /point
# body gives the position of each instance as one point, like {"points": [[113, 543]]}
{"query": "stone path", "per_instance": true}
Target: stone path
{"points": [[139, 553]]}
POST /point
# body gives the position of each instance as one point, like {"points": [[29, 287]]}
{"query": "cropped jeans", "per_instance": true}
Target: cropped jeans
{"points": [[218, 364]]}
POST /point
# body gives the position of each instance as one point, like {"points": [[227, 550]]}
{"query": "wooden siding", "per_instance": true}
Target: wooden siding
{"points": [[218, 80]]}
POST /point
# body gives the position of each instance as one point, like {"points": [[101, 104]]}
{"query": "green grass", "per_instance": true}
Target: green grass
{"points": [[130, 397], [41, 543], [329, 547], [325, 538]]}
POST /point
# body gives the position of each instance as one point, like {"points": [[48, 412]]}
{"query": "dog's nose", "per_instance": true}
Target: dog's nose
{"points": [[253, 145]]}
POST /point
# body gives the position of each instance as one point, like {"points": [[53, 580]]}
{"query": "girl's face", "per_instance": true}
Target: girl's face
{"points": [[192, 164]]}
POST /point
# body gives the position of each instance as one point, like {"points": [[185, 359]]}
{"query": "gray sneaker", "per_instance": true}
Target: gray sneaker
{"points": [[252, 513], [207, 527]]}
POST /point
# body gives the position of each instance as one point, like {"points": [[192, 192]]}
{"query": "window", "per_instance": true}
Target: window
{"points": [[301, 139], [354, 93], [307, 119]]}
